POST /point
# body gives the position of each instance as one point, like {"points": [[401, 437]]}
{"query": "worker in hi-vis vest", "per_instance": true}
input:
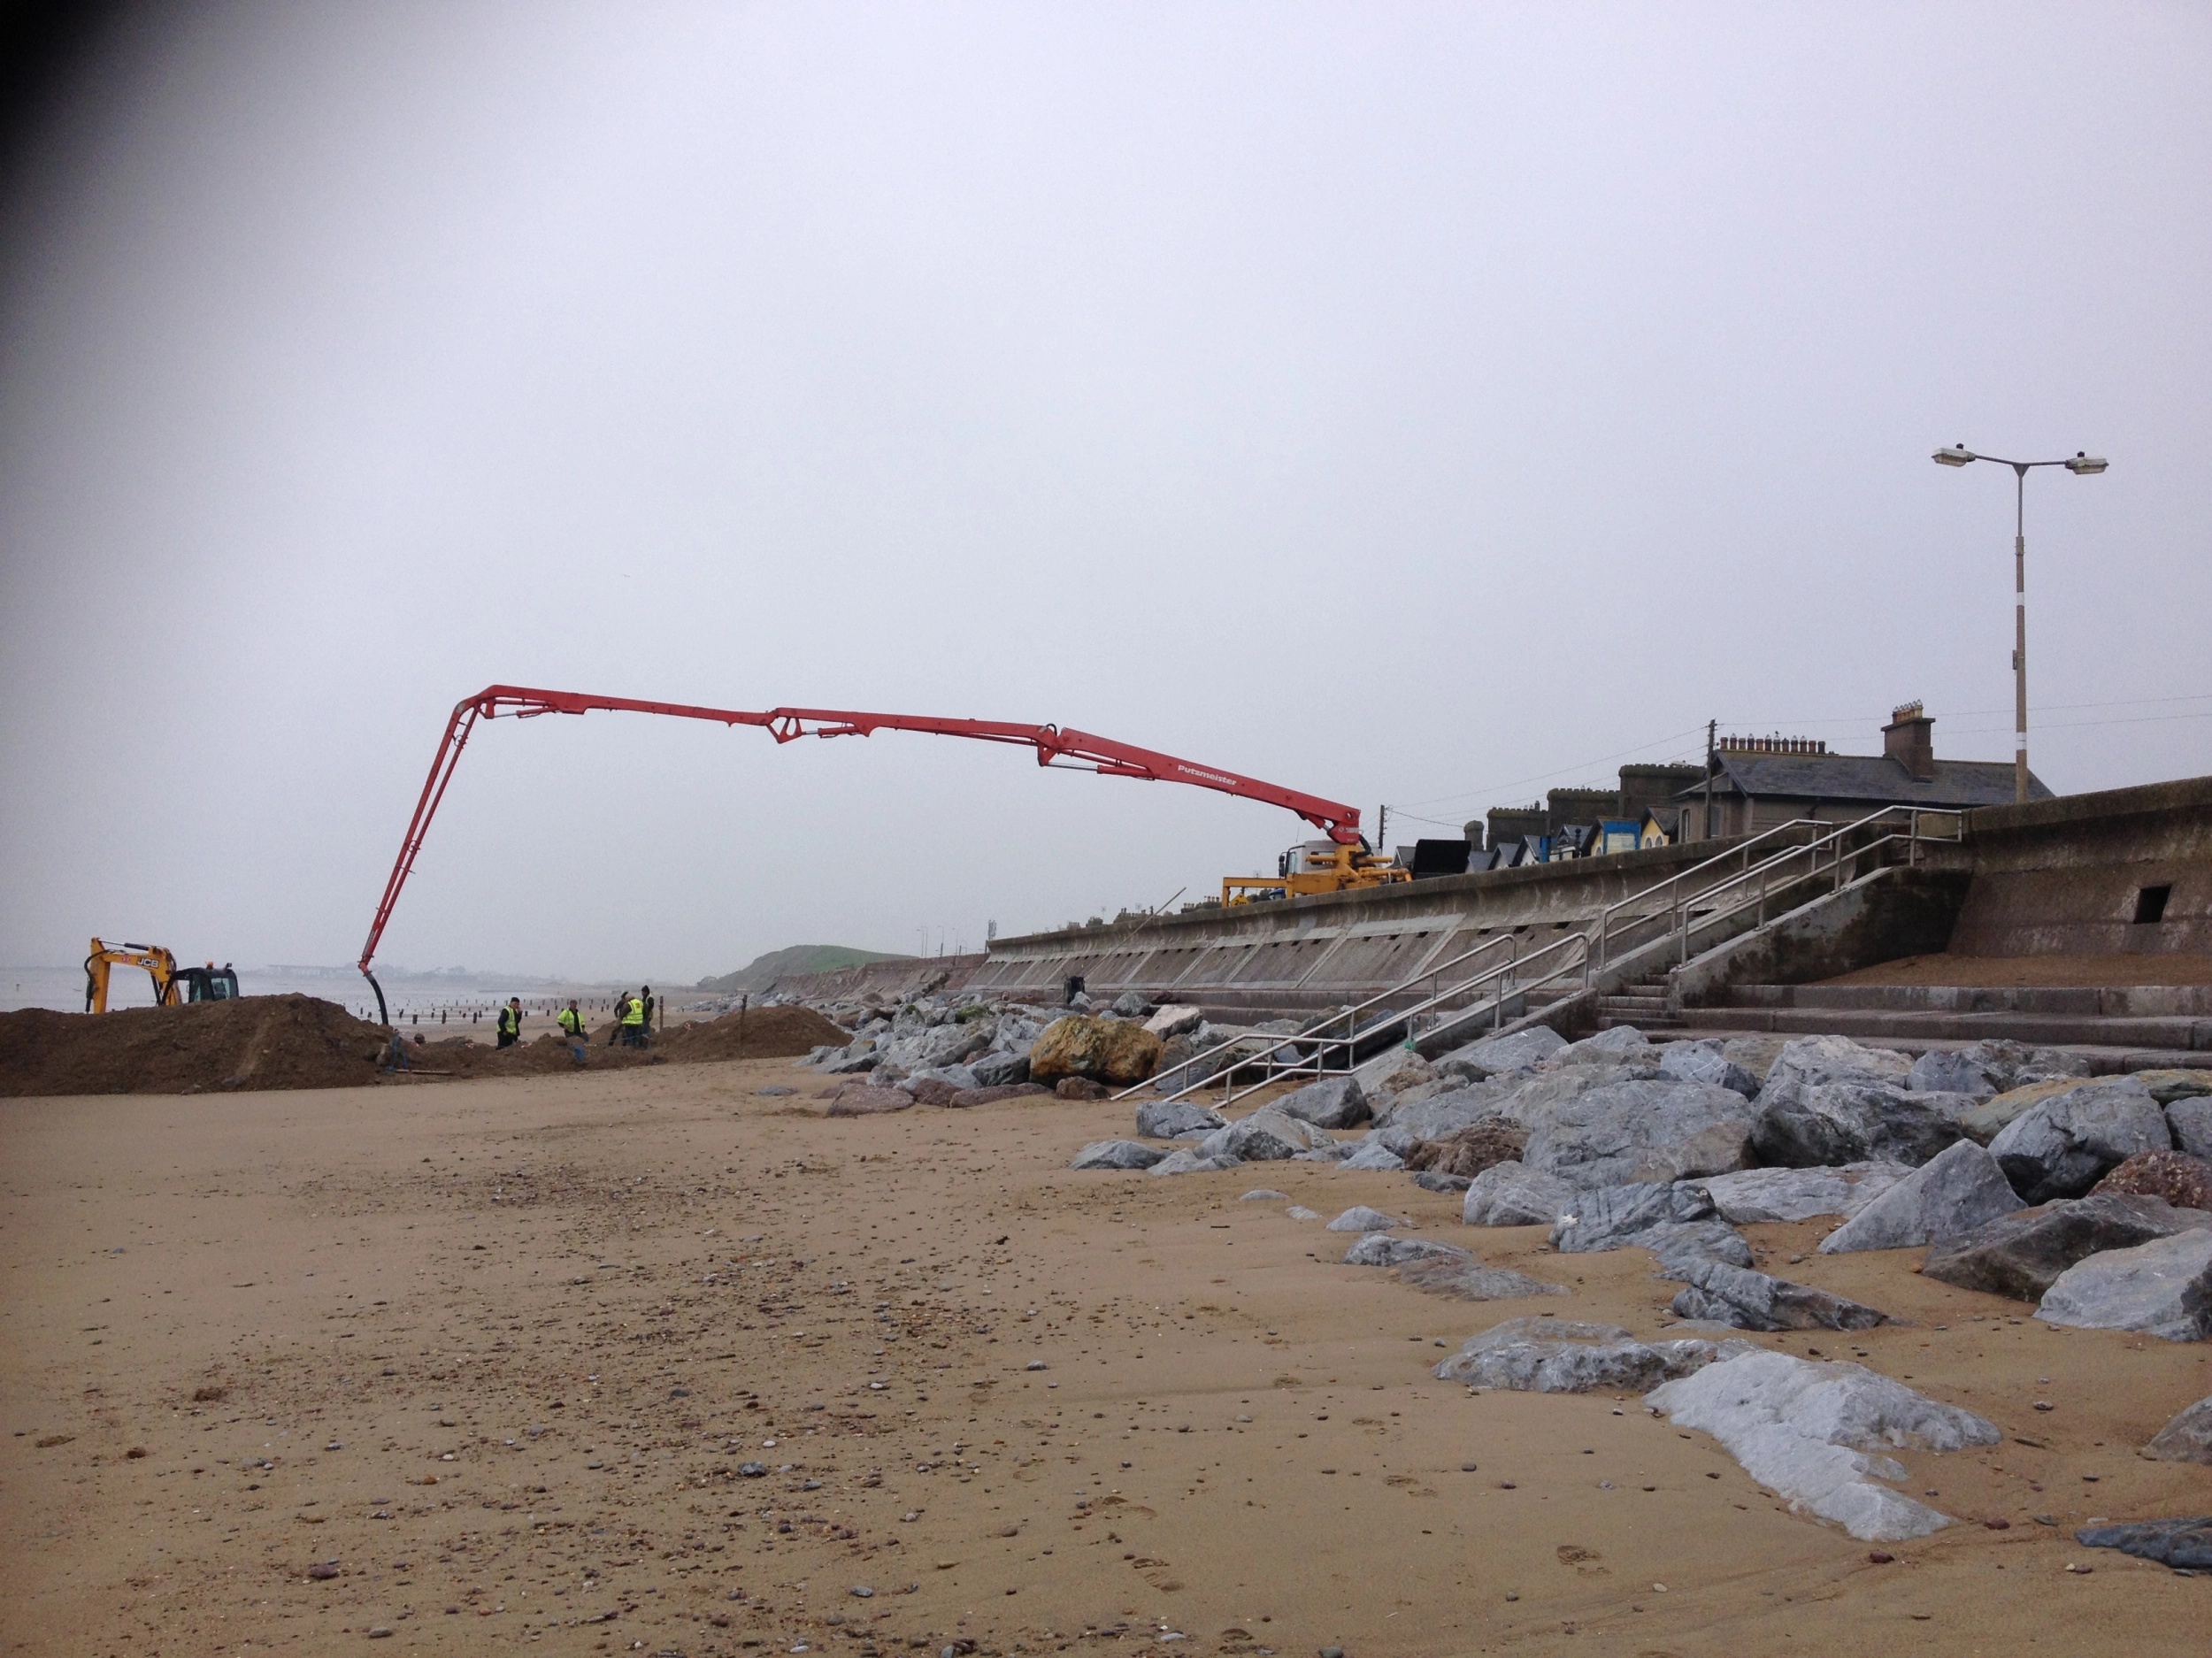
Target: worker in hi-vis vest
{"points": [[510, 1022], [570, 1020], [633, 1023]]}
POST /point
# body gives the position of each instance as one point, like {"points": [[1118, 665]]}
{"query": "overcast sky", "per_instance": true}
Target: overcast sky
{"points": [[1421, 404]]}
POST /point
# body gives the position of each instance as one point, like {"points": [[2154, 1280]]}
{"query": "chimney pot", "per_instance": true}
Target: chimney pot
{"points": [[1909, 740]]}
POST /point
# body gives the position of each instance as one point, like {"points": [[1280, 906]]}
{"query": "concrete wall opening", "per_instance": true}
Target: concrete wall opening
{"points": [[2150, 904]]}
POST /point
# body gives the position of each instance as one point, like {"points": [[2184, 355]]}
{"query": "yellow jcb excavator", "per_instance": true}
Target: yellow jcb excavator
{"points": [[172, 984], [1320, 868]]}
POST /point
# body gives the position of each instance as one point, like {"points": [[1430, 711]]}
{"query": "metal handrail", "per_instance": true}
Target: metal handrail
{"points": [[1351, 1014], [1314, 1047], [1317, 1061], [1680, 905], [1740, 849], [1684, 919]]}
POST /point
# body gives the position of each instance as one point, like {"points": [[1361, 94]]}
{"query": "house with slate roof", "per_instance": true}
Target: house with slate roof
{"points": [[1758, 782]]}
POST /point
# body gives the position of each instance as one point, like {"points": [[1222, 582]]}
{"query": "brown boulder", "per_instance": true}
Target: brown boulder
{"points": [[1001, 1091], [2184, 1181], [1115, 1051], [870, 1102], [1080, 1088], [1477, 1147]]}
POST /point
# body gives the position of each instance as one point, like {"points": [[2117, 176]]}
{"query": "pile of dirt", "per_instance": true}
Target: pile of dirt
{"points": [[756, 1034], [290, 1042], [296, 1041]]}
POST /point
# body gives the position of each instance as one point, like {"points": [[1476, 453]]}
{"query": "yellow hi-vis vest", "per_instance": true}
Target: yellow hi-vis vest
{"points": [[634, 1013], [510, 1022], [571, 1021]]}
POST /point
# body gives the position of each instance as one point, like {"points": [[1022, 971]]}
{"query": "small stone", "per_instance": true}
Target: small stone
{"points": [[382, 1631], [861, 1592], [1034, 1364], [752, 1471], [1879, 1558]]}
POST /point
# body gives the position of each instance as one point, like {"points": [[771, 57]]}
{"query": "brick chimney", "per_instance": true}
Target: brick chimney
{"points": [[1909, 740]]}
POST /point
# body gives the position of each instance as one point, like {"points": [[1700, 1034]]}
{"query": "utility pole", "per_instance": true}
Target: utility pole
{"points": [[1711, 725], [1382, 831]]}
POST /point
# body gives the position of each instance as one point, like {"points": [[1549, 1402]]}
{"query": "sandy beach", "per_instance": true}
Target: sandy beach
{"points": [[483, 1365]]}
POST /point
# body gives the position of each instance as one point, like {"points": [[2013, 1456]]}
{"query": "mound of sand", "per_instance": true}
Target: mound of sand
{"points": [[290, 1042], [296, 1041], [756, 1034]]}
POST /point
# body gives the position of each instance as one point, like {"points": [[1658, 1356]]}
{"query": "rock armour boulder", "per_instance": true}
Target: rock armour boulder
{"points": [[1112, 1051], [2021, 1256], [2065, 1145]]}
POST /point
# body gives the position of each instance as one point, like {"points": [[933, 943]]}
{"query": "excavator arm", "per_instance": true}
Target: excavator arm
{"points": [[1055, 746], [157, 962]]}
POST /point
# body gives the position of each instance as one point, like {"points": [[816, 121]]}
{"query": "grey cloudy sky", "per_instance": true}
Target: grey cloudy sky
{"points": [[1417, 404]]}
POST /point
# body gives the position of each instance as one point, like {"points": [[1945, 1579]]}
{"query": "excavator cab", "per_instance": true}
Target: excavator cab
{"points": [[205, 984]]}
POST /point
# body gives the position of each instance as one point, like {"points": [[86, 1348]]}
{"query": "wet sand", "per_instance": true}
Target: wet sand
{"points": [[493, 1355]]}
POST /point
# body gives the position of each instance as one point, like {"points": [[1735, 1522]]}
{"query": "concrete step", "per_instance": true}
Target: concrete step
{"points": [[2042, 1029], [2106, 1002]]}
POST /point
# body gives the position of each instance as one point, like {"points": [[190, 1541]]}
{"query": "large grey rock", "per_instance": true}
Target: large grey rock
{"points": [[2021, 1256], [1266, 1136], [1372, 1154], [1753, 1301], [1519, 1051], [1816, 1434], [1014, 1032], [1654, 1130], [1534, 1099], [949, 1045], [1439, 1116], [2185, 1544], [2186, 1439], [1991, 1117], [1813, 1059], [1397, 1140], [1190, 1160], [1437, 1180], [2162, 1289], [1391, 1077], [1470, 1280], [1703, 1062], [1165, 1119], [1360, 1218], [1131, 1005], [1117, 1154], [1678, 1248], [1562, 1355], [1000, 1070], [2169, 1085], [2010, 1065], [1940, 1071], [1333, 1102], [850, 1061], [1961, 1189], [954, 1077], [1609, 1216], [1381, 1249], [2064, 1145], [1513, 1194], [1805, 1125], [2189, 1119], [1621, 1044], [1175, 1020], [1752, 1195]]}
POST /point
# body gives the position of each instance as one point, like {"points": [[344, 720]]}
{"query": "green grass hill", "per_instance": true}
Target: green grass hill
{"points": [[799, 958]]}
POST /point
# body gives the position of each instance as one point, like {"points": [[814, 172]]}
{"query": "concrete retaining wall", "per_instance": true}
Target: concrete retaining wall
{"points": [[1877, 918], [1307, 953], [2063, 877], [914, 978]]}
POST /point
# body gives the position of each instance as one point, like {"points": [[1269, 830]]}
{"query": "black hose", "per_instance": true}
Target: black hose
{"points": [[383, 1015]]}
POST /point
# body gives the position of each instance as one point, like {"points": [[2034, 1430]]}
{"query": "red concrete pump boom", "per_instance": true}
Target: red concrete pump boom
{"points": [[1055, 746]]}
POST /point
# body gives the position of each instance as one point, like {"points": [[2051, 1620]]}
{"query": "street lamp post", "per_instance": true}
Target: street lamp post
{"points": [[2081, 465]]}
